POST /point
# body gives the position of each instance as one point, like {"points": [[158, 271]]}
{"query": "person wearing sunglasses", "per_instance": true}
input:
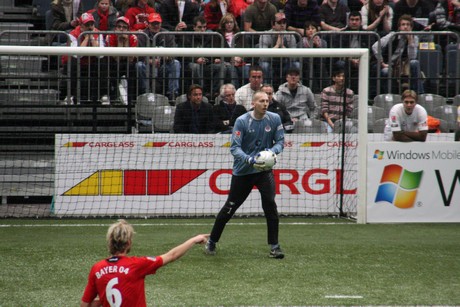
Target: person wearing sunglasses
{"points": [[274, 68]]}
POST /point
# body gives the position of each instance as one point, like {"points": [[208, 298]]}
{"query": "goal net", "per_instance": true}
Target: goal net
{"points": [[165, 174]]}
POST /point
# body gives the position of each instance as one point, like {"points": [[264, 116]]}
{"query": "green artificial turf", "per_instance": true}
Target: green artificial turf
{"points": [[328, 262]]}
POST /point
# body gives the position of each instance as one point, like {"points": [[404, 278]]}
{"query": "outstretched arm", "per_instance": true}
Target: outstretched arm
{"points": [[180, 250]]}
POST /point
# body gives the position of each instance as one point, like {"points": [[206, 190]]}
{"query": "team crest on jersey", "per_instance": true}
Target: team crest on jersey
{"points": [[268, 128], [237, 134]]}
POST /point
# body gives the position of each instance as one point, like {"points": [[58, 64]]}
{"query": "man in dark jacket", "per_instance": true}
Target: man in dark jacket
{"points": [[275, 107], [194, 115], [358, 40], [169, 11], [299, 11], [65, 14], [226, 111], [414, 8]]}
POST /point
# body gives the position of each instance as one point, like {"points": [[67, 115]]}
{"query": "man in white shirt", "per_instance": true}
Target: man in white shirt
{"points": [[407, 120], [244, 94]]}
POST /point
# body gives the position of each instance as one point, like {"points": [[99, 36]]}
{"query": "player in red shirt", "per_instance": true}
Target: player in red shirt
{"points": [[119, 280]]}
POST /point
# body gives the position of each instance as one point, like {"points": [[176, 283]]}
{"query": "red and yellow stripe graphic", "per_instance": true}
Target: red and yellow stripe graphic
{"points": [[133, 182]]}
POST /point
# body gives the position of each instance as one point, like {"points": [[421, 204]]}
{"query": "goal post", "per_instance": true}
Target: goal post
{"points": [[362, 54]]}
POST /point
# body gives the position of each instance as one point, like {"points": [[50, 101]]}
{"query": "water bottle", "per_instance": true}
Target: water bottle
{"points": [[387, 133], [458, 115]]}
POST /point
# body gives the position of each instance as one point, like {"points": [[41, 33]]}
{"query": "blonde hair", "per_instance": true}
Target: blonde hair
{"points": [[409, 93], [119, 237]]}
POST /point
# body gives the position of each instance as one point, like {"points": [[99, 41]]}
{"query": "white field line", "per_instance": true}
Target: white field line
{"points": [[167, 224], [343, 296]]}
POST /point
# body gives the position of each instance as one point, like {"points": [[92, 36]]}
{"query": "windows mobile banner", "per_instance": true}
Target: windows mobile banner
{"points": [[413, 182]]}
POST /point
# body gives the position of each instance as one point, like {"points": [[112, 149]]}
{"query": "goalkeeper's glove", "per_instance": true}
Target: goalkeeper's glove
{"points": [[260, 166], [251, 160]]}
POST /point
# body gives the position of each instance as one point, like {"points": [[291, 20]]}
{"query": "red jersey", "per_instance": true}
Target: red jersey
{"points": [[119, 280], [112, 40], [74, 35], [238, 7], [139, 23], [213, 15]]}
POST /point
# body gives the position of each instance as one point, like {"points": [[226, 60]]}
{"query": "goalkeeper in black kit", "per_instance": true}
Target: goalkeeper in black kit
{"points": [[253, 132]]}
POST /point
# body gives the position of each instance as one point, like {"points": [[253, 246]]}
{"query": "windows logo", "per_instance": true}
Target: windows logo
{"points": [[378, 154], [398, 186]]}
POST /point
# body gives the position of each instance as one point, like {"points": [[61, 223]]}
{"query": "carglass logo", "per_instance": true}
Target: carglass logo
{"points": [[399, 186]]}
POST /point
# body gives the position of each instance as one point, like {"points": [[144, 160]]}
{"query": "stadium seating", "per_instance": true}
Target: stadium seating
{"points": [[443, 126], [15, 33], [48, 19], [386, 101], [7, 3], [355, 101], [309, 126], [431, 65], [156, 99], [448, 113], [452, 63], [17, 11], [379, 125], [351, 126], [431, 101], [374, 113], [318, 100], [147, 106], [355, 113], [144, 113], [29, 96], [456, 100], [41, 6], [163, 118]]}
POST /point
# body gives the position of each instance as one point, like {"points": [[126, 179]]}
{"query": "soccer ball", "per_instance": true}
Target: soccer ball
{"points": [[265, 160]]}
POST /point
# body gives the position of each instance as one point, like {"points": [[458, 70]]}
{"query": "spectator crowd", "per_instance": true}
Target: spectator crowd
{"points": [[219, 89]]}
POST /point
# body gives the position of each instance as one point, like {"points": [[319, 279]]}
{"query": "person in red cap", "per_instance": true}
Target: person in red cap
{"points": [[121, 39], [125, 67], [91, 68], [162, 68], [154, 18], [89, 40], [138, 15]]}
